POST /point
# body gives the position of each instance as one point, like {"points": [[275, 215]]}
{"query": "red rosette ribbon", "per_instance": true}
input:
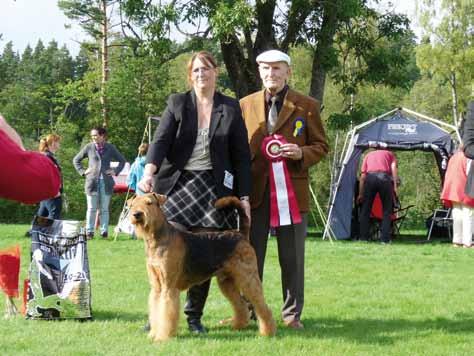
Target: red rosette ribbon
{"points": [[284, 208]]}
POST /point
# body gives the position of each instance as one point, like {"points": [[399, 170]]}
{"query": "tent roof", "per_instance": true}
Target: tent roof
{"points": [[404, 129]]}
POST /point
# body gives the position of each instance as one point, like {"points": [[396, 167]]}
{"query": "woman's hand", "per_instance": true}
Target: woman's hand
{"points": [[246, 206], [146, 183]]}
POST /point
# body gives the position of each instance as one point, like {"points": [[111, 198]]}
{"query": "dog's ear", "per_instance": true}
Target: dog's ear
{"points": [[160, 198], [130, 201]]}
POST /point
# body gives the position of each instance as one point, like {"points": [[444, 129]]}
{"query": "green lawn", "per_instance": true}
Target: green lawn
{"points": [[361, 299]]}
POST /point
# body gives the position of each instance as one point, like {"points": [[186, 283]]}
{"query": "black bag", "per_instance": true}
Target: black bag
{"points": [[59, 279]]}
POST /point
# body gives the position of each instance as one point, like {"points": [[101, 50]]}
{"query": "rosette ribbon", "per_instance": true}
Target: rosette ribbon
{"points": [[284, 208]]}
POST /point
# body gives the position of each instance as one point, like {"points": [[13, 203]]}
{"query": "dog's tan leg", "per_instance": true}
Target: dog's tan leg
{"points": [[168, 314], [153, 301], [241, 312], [245, 273], [254, 293]]}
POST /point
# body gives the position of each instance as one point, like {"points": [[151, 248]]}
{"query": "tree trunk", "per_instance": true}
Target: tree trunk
{"points": [[324, 46], [242, 72], [105, 65], [455, 98]]}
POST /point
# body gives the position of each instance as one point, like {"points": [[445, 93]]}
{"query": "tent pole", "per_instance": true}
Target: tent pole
{"points": [[320, 211], [436, 121]]}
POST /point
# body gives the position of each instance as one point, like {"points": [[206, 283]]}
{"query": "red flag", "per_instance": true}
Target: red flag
{"points": [[10, 270]]}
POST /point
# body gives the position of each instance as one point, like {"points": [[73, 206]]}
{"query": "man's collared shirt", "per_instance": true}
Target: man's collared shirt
{"points": [[279, 101]]}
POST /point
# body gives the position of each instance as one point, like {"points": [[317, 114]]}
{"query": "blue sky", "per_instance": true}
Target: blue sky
{"points": [[26, 21]]}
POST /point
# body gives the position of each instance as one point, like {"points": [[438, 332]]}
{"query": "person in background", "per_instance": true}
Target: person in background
{"points": [[99, 183], [199, 153], [453, 196], [51, 208], [278, 109], [378, 174], [137, 169], [27, 177]]}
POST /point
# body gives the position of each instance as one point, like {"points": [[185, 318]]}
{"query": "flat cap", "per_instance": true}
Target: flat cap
{"points": [[273, 56]]}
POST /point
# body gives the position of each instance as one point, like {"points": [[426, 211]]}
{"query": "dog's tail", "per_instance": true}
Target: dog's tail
{"points": [[244, 223]]}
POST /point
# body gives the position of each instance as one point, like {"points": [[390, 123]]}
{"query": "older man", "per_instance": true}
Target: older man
{"points": [[300, 141]]}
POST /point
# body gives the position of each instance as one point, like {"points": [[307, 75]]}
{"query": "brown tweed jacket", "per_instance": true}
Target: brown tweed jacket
{"points": [[312, 140]]}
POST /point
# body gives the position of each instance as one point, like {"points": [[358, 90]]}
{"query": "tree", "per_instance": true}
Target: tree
{"points": [[447, 51], [8, 65], [246, 28], [93, 16]]}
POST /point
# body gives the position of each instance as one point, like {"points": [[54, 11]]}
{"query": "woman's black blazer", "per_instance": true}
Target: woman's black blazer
{"points": [[175, 137]]}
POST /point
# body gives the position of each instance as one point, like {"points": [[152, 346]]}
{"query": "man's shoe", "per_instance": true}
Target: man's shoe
{"points": [[294, 324], [196, 327], [90, 235], [146, 328], [104, 234]]}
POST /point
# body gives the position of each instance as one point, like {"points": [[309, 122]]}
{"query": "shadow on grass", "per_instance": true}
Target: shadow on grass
{"points": [[361, 330], [103, 315], [378, 331]]}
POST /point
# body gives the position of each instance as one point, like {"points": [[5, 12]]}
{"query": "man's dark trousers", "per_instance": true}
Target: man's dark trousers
{"points": [[291, 251], [381, 183]]}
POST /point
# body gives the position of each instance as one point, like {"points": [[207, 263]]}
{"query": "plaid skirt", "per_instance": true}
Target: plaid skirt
{"points": [[191, 203]]}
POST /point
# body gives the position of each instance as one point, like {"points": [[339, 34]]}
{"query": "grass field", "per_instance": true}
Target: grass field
{"points": [[360, 299]]}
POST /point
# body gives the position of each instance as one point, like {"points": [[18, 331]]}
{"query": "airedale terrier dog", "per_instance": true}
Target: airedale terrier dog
{"points": [[176, 260]]}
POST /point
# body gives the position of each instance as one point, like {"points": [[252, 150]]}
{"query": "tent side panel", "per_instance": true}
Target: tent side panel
{"points": [[342, 208]]}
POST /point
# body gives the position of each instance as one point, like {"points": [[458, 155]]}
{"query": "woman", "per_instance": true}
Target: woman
{"points": [[51, 208], [199, 153], [99, 182], [137, 169], [454, 196]]}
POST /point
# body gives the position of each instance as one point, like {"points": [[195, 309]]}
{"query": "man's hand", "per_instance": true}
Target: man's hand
{"points": [[360, 198], [291, 151]]}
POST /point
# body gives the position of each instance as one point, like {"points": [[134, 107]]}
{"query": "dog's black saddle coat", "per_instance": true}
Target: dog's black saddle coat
{"points": [[206, 252]]}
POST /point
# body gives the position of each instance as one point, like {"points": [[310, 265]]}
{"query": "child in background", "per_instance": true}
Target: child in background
{"points": [[137, 169]]}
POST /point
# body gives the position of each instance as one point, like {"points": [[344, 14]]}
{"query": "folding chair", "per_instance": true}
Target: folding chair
{"points": [[397, 217], [400, 215], [441, 218]]}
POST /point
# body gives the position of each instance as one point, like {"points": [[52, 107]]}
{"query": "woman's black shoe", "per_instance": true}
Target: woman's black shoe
{"points": [[196, 327]]}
